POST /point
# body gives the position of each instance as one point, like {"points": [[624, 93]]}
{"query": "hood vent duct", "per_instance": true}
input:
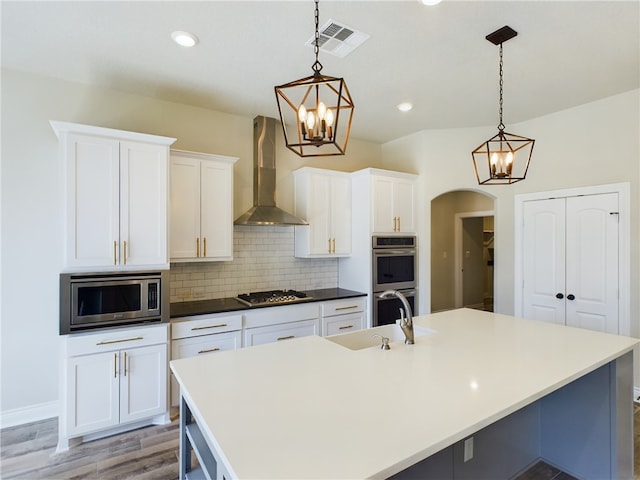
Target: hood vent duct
{"points": [[264, 210]]}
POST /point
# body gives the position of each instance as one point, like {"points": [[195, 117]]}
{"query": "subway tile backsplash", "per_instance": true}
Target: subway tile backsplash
{"points": [[262, 260]]}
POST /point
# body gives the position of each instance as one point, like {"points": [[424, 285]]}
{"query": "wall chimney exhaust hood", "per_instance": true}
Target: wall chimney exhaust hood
{"points": [[264, 210]]}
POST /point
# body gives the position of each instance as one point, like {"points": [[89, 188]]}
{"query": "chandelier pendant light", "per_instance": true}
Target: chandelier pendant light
{"points": [[315, 111], [505, 157]]}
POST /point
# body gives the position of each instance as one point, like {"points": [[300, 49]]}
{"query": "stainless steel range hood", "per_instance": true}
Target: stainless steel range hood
{"points": [[264, 210]]}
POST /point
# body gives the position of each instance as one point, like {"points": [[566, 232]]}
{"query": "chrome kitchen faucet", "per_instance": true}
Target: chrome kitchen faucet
{"points": [[406, 324]]}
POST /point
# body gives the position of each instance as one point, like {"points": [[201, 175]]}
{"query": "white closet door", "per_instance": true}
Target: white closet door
{"points": [[544, 260], [592, 262]]}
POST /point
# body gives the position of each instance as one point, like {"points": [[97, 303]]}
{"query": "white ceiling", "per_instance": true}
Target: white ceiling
{"points": [[566, 53]]}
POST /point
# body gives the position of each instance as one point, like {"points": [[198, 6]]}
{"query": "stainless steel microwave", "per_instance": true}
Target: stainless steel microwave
{"points": [[91, 301]]}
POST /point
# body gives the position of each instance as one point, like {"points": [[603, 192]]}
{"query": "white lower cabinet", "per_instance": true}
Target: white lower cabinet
{"points": [[112, 378], [343, 316], [203, 335]]}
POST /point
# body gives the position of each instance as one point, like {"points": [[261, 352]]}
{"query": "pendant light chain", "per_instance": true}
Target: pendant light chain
{"points": [[317, 66], [501, 125]]}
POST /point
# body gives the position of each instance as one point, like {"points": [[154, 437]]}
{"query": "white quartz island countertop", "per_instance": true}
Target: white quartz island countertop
{"points": [[310, 408]]}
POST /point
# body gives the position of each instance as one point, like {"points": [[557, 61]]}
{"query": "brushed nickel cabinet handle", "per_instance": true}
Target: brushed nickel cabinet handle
{"points": [[115, 249], [334, 246], [399, 228], [115, 365], [205, 246], [209, 326], [207, 350], [329, 245], [125, 364], [125, 252], [349, 307], [286, 338], [198, 247], [345, 327], [108, 342]]}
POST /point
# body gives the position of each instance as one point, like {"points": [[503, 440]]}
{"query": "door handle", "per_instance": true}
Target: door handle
{"points": [[571, 296], [559, 296]]}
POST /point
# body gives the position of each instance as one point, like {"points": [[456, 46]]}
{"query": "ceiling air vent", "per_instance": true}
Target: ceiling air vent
{"points": [[338, 39]]}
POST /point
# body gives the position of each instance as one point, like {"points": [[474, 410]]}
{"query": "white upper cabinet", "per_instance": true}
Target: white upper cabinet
{"points": [[116, 206], [201, 207], [323, 198], [393, 197]]}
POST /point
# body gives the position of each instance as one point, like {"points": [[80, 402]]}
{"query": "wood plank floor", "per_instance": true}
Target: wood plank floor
{"points": [[28, 452]]}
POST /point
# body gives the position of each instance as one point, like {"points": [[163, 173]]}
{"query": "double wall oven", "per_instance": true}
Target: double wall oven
{"points": [[394, 267]]}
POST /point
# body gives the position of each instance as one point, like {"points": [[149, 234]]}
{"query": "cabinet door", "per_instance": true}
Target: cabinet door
{"points": [[279, 333], [592, 262], [341, 215], [216, 205], [544, 260], [404, 205], [143, 204], [383, 210], [185, 207], [143, 382], [92, 188], [319, 215], [92, 393]]}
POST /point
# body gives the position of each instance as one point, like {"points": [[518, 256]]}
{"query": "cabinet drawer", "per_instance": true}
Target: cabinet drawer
{"points": [[204, 325], [191, 347], [277, 333], [118, 339], [342, 323], [261, 317], [340, 307]]}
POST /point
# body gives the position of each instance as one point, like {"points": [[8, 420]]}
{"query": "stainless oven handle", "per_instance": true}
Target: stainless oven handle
{"points": [[406, 293], [385, 252]]}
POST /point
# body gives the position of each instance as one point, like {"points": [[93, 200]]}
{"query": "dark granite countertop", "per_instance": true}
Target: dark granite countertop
{"points": [[221, 305]]}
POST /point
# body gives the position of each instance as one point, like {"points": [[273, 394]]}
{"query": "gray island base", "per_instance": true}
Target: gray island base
{"points": [[481, 396]]}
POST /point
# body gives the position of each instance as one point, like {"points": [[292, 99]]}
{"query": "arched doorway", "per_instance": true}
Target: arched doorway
{"points": [[462, 251]]}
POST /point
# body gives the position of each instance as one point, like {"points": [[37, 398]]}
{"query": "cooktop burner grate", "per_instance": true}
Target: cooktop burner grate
{"points": [[272, 297]]}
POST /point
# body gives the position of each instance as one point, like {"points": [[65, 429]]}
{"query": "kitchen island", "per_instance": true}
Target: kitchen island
{"points": [[479, 395]]}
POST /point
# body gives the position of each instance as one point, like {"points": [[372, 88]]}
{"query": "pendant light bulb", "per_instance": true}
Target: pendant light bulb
{"points": [[311, 121], [328, 117], [322, 110], [302, 114]]}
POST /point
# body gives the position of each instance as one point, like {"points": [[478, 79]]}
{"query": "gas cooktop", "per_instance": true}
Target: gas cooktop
{"points": [[272, 297]]}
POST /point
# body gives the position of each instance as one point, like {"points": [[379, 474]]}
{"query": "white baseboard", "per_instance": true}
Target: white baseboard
{"points": [[32, 413]]}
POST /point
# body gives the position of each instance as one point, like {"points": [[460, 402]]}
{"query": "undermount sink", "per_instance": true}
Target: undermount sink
{"points": [[365, 338]]}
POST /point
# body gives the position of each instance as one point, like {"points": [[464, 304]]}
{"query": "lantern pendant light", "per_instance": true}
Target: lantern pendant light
{"points": [[504, 158], [315, 111]]}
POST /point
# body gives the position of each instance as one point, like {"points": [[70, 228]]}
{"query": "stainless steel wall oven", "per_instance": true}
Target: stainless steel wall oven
{"points": [[92, 301], [394, 267]]}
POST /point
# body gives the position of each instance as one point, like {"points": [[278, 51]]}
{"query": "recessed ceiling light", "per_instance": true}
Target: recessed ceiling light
{"points": [[184, 39], [405, 106], [430, 2]]}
